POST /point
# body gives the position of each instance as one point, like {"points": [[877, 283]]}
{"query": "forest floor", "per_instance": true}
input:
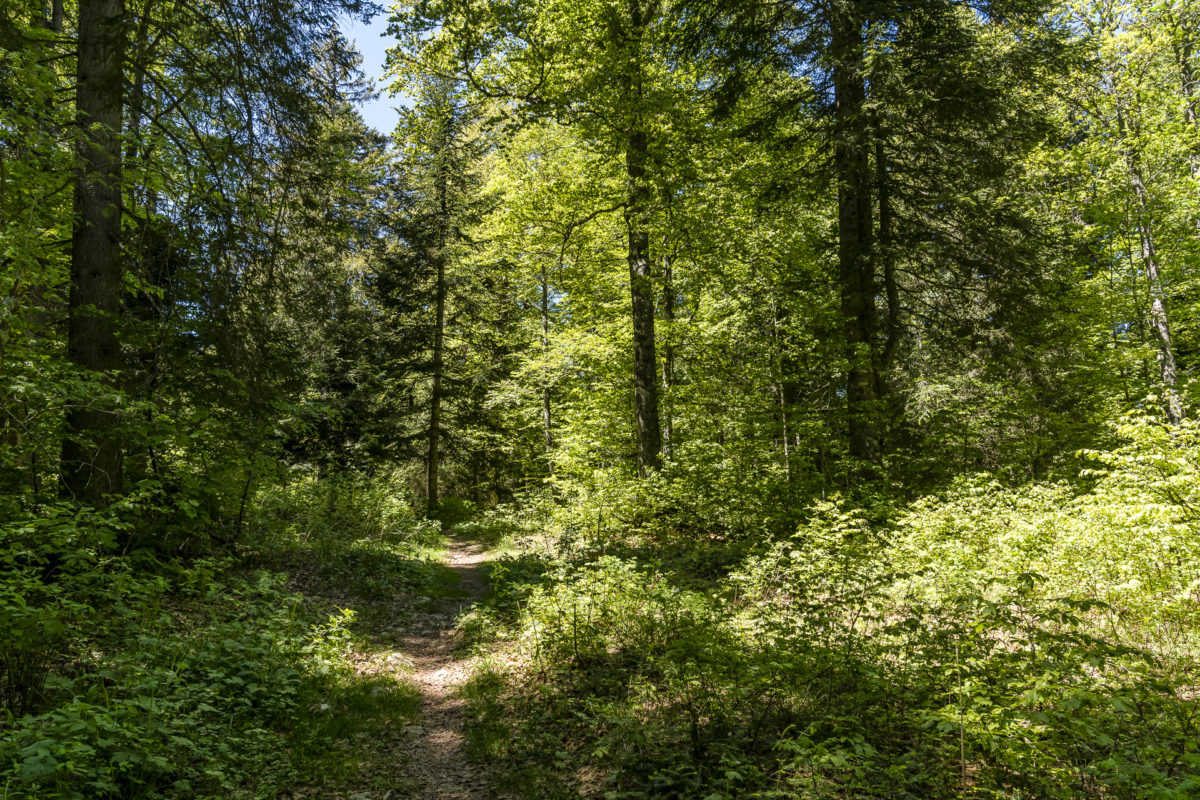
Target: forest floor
{"points": [[395, 732], [437, 763]]}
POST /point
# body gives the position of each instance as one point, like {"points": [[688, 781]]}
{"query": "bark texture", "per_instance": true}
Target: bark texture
{"points": [[1160, 327], [92, 452], [641, 282], [668, 365], [547, 419], [437, 259], [435, 392], [856, 274]]}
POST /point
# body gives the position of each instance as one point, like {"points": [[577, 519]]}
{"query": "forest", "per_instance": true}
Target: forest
{"points": [[688, 399]]}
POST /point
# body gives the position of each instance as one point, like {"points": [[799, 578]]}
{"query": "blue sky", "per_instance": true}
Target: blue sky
{"points": [[372, 43]]}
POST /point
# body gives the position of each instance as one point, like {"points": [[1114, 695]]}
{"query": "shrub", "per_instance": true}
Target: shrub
{"points": [[1032, 641], [195, 707]]}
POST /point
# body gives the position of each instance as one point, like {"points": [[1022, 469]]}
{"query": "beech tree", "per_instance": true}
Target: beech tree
{"points": [[1134, 122], [615, 82]]}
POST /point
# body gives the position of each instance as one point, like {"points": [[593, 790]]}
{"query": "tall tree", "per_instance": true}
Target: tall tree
{"points": [[92, 453], [856, 233], [436, 255], [601, 66], [911, 98], [1132, 120], [628, 39], [437, 150], [1160, 325]]}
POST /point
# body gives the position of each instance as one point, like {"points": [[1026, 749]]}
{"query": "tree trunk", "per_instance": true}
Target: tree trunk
{"points": [[1187, 86], [856, 269], [668, 366], [435, 392], [546, 418], [438, 259], [52, 18], [785, 388], [641, 284], [91, 454], [887, 257], [1159, 323], [1183, 51]]}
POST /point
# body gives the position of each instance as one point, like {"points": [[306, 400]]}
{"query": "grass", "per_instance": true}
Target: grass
{"points": [[353, 736]]}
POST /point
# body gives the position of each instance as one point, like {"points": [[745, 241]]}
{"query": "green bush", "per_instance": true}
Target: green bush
{"points": [[338, 508], [1019, 642], [52, 566], [357, 533], [125, 676], [180, 690]]}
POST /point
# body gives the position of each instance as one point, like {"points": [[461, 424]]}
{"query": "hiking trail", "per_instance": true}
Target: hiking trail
{"points": [[437, 762]]}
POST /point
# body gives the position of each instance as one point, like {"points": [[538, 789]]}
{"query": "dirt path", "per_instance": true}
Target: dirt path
{"points": [[438, 764]]}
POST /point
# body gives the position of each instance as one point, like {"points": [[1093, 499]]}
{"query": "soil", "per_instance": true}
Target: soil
{"points": [[437, 763]]}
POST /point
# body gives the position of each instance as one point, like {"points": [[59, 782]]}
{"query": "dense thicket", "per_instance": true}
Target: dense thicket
{"points": [[835, 355]]}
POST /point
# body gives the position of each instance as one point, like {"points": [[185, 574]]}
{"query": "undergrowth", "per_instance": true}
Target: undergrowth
{"points": [[992, 642], [123, 674]]}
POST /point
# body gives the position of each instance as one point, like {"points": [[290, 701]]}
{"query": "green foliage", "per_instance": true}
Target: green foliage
{"points": [[1002, 680], [1035, 641], [762, 616], [452, 511], [52, 569], [125, 676], [355, 534], [1129, 541], [183, 689], [341, 507]]}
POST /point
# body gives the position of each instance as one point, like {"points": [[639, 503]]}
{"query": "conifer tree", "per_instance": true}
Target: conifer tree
{"points": [[92, 453]]}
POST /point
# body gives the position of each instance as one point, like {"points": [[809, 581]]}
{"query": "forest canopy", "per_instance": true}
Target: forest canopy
{"points": [[820, 375]]}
